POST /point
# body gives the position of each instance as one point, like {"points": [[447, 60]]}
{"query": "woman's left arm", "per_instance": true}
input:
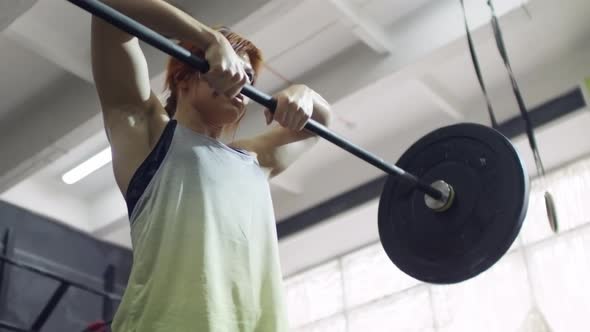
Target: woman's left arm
{"points": [[283, 144]]}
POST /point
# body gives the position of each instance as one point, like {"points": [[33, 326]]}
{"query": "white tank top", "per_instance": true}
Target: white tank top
{"points": [[205, 251]]}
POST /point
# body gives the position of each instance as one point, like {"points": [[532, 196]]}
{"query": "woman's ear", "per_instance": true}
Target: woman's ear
{"points": [[182, 81], [182, 85], [185, 84]]}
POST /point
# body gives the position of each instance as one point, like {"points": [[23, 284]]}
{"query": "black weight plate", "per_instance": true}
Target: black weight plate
{"points": [[491, 198]]}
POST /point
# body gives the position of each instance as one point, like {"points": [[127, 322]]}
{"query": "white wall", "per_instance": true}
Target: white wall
{"points": [[331, 238], [120, 236], [61, 207], [106, 208]]}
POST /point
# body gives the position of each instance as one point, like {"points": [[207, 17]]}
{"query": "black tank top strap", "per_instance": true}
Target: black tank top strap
{"points": [[146, 171]]}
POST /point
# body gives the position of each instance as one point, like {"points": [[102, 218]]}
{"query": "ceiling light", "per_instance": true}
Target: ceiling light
{"points": [[86, 168]]}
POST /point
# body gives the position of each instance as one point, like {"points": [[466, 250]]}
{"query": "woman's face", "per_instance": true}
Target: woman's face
{"points": [[213, 107]]}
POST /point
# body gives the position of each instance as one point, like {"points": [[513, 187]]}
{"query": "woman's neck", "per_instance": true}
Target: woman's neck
{"points": [[192, 119]]}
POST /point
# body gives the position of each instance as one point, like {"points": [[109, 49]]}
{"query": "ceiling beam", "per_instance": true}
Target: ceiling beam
{"points": [[46, 126], [440, 97], [285, 184], [12, 10], [364, 27]]}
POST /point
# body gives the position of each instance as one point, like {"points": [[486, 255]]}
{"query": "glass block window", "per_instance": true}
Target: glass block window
{"points": [[314, 295], [408, 311], [331, 324], [560, 279], [496, 300], [369, 274]]}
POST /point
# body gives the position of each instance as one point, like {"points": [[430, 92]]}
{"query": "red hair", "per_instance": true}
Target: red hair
{"points": [[177, 71]]}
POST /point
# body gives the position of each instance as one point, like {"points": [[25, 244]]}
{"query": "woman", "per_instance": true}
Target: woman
{"points": [[205, 252]]}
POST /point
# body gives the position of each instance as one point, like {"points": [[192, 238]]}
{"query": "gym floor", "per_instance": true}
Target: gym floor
{"points": [[393, 71]]}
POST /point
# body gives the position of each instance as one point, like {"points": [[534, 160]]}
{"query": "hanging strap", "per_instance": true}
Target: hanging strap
{"points": [[520, 101], [521, 106], [477, 70]]}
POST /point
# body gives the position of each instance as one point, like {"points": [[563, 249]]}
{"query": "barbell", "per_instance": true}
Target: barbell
{"points": [[452, 205]]}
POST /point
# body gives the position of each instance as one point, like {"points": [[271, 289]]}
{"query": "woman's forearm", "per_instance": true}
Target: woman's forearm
{"points": [[166, 19]]}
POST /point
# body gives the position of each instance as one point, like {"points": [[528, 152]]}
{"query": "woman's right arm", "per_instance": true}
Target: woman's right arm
{"points": [[119, 66]]}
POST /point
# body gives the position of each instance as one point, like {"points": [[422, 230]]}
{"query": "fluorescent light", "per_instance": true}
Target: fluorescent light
{"points": [[87, 167]]}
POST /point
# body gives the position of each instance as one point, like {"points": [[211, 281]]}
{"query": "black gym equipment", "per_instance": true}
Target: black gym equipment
{"points": [[491, 194], [6, 259], [449, 220]]}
